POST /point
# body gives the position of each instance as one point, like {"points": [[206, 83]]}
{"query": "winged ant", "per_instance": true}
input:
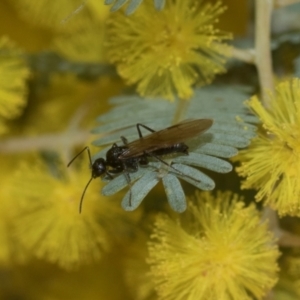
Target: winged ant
{"points": [[127, 158]]}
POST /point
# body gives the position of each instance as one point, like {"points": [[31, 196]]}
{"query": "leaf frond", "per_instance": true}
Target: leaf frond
{"points": [[233, 128]]}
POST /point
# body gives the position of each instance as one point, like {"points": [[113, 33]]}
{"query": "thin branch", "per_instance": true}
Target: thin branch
{"points": [[245, 55], [181, 109], [74, 12], [271, 216], [78, 116], [263, 11], [58, 141], [270, 295], [285, 238], [282, 3], [288, 239], [74, 123]]}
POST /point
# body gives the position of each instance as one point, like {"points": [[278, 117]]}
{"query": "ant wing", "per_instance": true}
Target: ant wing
{"points": [[166, 137]]}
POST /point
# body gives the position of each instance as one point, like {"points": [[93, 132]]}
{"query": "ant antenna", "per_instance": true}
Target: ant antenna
{"points": [[90, 158], [89, 153], [81, 200]]}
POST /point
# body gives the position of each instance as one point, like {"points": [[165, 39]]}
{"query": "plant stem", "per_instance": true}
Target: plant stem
{"points": [[287, 239], [270, 215], [74, 12], [263, 61], [245, 55], [58, 141], [180, 112]]}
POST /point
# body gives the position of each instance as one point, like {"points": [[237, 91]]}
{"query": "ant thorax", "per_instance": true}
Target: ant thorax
{"points": [[117, 165], [112, 157]]}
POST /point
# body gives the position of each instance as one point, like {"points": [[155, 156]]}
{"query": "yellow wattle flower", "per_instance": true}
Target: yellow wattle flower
{"points": [[11, 251], [167, 52], [13, 86], [84, 43], [48, 14], [136, 269], [272, 163], [47, 221], [219, 249]]}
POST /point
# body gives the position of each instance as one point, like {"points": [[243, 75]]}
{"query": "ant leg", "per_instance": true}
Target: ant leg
{"points": [[138, 125], [170, 166], [109, 175], [127, 176]]}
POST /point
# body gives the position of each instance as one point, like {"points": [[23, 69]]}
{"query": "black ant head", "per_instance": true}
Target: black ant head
{"points": [[98, 167]]}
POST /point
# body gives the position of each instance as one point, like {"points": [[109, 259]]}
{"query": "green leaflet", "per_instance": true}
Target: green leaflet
{"points": [[205, 161], [174, 192], [118, 183], [194, 177], [133, 5], [117, 5], [139, 191], [159, 4]]}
